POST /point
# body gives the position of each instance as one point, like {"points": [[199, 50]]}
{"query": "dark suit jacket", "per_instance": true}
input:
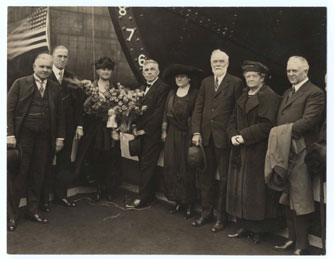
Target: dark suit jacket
{"points": [[213, 109], [151, 119], [18, 103], [304, 109], [72, 99]]}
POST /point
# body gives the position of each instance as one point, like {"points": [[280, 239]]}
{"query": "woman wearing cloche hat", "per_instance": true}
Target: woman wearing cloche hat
{"points": [[254, 115], [179, 178]]}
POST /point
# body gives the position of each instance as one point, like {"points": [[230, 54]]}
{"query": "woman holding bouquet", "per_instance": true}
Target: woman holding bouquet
{"points": [[179, 179], [99, 144]]}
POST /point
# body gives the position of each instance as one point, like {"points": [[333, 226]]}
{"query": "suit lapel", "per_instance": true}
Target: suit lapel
{"points": [[151, 90], [294, 97], [28, 89], [223, 84]]}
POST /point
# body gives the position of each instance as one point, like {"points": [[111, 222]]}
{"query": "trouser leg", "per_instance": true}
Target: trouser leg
{"points": [[40, 159], [207, 181], [222, 156], [148, 162]]}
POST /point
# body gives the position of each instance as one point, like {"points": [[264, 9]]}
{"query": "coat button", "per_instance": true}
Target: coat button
{"points": [[211, 120], [213, 110]]}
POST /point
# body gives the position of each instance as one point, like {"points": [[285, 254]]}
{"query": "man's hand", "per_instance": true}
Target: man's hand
{"points": [[79, 133], [59, 144], [235, 141], [11, 141], [240, 139], [197, 139]]}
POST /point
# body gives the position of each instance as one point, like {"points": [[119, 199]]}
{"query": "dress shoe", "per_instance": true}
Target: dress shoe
{"points": [[11, 224], [136, 204], [45, 207], [175, 208], [37, 218], [64, 202], [188, 212], [301, 252], [289, 245], [220, 225], [240, 233], [199, 222]]}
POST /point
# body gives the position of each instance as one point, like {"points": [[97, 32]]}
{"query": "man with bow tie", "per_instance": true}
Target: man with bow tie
{"points": [[301, 105], [214, 105], [61, 175], [148, 126], [35, 125]]}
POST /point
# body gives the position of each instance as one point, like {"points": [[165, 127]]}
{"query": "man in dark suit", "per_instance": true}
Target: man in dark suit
{"points": [[148, 126], [72, 103], [301, 105], [35, 123], [214, 105]]}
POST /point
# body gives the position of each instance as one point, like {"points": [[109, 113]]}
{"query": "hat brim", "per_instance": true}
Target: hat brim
{"points": [[180, 69]]}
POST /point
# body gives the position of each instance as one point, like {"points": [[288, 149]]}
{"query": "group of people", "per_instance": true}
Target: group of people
{"points": [[231, 122]]}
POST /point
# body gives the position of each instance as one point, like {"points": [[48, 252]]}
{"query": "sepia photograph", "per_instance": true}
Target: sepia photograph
{"points": [[195, 130]]}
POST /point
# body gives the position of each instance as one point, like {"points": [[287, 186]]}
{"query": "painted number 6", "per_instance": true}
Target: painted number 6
{"points": [[141, 59]]}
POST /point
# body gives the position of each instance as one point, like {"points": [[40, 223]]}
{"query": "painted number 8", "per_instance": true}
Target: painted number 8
{"points": [[122, 10]]}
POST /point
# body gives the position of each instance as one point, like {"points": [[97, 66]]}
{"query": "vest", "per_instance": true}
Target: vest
{"points": [[38, 117]]}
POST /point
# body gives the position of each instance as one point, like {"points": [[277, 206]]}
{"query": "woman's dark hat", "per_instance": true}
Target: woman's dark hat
{"points": [[179, 69], [253, 66], [197, 158], [135, 147]]}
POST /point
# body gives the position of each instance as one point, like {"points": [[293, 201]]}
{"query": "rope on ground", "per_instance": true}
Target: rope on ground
{"points": [[111, 217], [109, 203]]}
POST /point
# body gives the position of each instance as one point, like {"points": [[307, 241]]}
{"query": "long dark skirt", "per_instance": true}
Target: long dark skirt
{"points": [[179, 179]]}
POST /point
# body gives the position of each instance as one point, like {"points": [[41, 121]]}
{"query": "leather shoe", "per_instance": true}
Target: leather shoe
{"points": [[11, 224], [240, 232], [37, 218], [199, 222], [45, 207], [301, 252], [220, 225], [289, 245], [136, 204], [65, 202]]}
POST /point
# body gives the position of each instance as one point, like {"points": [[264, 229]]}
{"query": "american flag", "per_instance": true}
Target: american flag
{"points": [[31, 33]]}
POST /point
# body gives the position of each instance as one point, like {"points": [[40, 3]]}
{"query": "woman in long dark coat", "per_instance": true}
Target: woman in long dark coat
{"points": [[99, 145], [179, 179], [248, 198]]}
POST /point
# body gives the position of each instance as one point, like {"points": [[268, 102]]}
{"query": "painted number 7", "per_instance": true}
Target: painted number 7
{"points": [[132, 31]]}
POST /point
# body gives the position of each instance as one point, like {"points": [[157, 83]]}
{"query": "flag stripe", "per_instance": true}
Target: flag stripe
{"points": [[18, 51], [25, 35], [15, 44]]}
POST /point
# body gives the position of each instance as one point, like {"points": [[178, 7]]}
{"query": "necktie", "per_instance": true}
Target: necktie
{"points": [[41, 89], [293, 90], [216, 84], [60, 77]]}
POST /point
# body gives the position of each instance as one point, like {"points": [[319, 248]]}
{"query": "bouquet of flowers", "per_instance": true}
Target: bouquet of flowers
{"points": [[128, 107], [119, 106]]}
